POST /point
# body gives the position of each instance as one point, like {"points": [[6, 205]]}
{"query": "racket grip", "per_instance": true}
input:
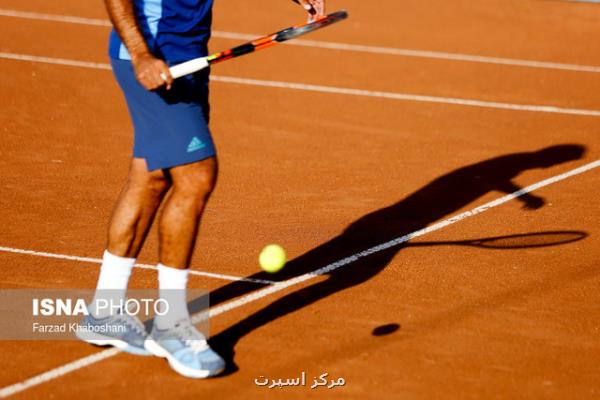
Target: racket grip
{"points": [[188, 67]]}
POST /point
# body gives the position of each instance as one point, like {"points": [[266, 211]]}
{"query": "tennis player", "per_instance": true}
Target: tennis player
{"points": [[174, 164]]}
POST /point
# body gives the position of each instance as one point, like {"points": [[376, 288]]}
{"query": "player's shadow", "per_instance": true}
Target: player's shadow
{"points": [[436, 200]]}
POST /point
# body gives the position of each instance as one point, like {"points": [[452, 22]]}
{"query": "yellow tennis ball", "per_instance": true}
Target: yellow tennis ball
{"points": [[272, 258]]}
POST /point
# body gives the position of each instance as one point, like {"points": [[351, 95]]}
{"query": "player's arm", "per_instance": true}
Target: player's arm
{"points": [[149, 70], [315, 8]]}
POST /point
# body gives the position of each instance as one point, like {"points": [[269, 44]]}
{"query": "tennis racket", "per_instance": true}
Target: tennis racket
{"points": [[198, 64]]}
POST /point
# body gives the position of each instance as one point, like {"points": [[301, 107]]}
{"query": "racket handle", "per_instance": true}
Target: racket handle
{"points": [[188, 67]]}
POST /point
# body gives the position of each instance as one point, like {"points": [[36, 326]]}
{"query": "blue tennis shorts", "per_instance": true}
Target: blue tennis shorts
{"points": [[170, 126]]}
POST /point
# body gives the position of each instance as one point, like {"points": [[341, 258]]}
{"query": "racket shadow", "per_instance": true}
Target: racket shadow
{"points": [[512, 242], [440, 198]]}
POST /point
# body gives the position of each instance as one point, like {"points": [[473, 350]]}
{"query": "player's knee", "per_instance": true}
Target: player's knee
{"points": [[201, 184], [152, 184], [197, 181]]}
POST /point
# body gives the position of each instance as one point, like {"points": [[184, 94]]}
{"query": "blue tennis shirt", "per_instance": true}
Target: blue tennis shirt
{"points": [[175, 30]]}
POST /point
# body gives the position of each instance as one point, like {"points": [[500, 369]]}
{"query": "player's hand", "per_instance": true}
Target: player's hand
{"points": [[315, 8], [151, 72]]}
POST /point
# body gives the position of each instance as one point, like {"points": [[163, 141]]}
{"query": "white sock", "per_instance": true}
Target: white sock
{"points": [[172, 284], [112, 283]]}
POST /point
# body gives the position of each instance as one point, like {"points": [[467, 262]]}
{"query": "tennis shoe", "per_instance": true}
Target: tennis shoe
{"points": [[186, 350], [123, 331]]}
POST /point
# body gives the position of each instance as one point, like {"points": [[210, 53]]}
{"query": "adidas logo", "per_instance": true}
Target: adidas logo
{"points": [[195, 145]]}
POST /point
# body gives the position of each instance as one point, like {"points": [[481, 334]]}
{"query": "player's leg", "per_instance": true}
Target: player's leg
{"points": [[177, 231], [173, 336], [128, 228]]}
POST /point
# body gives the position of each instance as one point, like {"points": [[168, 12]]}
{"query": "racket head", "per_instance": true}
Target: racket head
{"points": [[295, 31]]}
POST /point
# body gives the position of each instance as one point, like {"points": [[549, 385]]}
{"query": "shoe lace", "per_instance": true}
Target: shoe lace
{"points": [[188, 334], [197, 346], [132, 322]]}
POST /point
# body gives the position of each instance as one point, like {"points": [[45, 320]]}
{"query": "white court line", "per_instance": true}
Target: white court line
{"points": [[334, 90], [141, 266], [407, 97], [440, 55], [55, 61], [89, 360], [70, 19]]}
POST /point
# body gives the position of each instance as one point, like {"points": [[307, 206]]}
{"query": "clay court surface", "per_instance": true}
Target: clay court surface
{"points": [[328, 173]]}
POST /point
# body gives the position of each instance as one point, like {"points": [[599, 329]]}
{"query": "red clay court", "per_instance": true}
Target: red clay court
{"points": [[419, 116]]}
